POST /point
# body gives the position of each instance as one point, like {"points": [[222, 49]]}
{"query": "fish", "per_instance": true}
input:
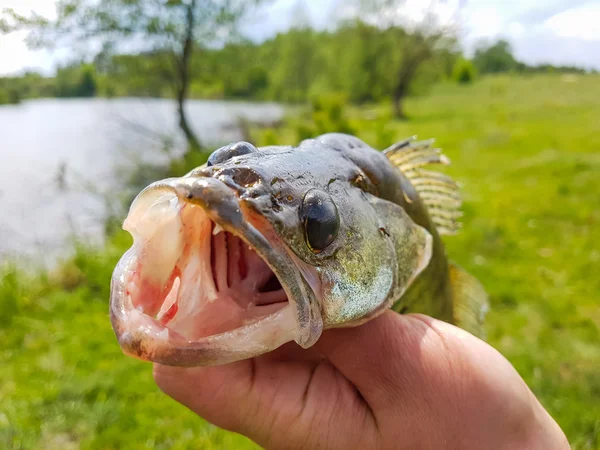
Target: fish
{"points": [[264, 246]]}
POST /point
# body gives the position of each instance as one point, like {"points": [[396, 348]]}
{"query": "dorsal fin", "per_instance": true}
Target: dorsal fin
{"points": [[437, 191]]}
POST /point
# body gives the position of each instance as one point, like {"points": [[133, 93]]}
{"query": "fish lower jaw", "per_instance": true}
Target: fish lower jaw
{"points": [[147, 339], [191, 293]]}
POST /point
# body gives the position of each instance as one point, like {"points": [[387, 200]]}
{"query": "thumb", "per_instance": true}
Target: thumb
{"points": [[239, 396], [252, 396], [390, 358], [218, 394]]}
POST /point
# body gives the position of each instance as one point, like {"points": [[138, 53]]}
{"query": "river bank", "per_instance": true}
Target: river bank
{"points": [[526, 154]]}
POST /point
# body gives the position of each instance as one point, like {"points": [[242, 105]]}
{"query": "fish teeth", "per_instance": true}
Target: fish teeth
{"points": [[155, 222], [163, 335], [217, 229]]}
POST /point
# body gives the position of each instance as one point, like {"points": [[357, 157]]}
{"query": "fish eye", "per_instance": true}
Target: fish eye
{"points": [[320, 219]]}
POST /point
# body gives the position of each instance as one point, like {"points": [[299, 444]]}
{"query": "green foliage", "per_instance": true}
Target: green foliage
{"points": [[383, 128], [169, 32], [269, 137], [549, 68], [358, 59], [295, 55], [190, 160], [464, 72], [3, 97], [498, 58], [87, 85], [76, 81], [137, 75], [368, 63], [12, 291], [327, 112], [495, 58], [525, 150], [14, 97], [9, 96], [30, 85]]}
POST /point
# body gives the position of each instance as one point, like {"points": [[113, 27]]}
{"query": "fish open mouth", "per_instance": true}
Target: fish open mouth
{"points": [[207, 281]]}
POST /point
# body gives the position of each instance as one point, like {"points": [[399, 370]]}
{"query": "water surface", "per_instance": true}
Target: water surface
{"points": [[59, 157]]}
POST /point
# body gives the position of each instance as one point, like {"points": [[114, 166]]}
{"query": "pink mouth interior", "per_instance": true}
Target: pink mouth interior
{"points": [[197, 279]]}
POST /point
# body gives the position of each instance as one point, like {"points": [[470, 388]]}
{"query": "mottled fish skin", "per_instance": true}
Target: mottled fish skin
{"points": [[343, 228], [430, 292], [386, 236]]}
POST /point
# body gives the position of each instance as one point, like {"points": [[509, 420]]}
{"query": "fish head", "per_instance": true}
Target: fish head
{"points": [[358, 252], [255, 249]]}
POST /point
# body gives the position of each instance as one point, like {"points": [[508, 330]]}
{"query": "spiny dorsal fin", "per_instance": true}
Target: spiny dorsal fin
{"points": [[439, 192]]}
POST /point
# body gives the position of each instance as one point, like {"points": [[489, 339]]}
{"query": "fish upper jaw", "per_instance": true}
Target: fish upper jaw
{"points": [[190, 291]]}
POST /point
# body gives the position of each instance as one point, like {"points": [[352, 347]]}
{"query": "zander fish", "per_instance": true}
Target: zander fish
{"points": [[263, 246]]}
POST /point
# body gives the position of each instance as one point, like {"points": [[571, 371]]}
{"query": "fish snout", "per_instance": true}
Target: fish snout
{"points": [[208, 281]]}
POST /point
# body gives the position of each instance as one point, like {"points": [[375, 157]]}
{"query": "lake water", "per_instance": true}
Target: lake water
{"points": [[58, 158]]}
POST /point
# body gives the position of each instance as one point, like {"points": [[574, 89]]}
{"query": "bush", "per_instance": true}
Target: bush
{"points": [[327, 115], [14, 98], [464, 72], [10, 97], [268, 136]]}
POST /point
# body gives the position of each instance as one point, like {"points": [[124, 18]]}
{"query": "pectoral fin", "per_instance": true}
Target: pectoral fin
{"points": [[470, 301]]}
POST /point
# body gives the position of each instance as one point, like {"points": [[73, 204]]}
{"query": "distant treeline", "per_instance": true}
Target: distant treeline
{"points": [[357, 60], [77, 80]]}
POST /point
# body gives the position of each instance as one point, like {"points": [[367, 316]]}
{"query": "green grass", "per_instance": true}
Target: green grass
{"points": [[526, 151], [64, 384]]}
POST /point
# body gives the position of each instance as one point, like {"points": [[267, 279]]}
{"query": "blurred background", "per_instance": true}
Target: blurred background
{"points": [[97, 99]]}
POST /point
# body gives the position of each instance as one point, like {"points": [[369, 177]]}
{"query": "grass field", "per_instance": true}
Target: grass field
{"points": [[527, 151]]}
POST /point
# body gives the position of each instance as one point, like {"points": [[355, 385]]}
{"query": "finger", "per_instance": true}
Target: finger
{"points": [[244, 396], [218, 394], [392, 359]]}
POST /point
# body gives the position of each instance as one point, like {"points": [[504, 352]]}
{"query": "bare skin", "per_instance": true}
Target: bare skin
{"points": [[401, 382]]}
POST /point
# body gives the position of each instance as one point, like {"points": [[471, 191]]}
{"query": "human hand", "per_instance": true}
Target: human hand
{"points": [[395, 382]]}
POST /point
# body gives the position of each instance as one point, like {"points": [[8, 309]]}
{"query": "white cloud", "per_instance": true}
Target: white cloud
{"points": [[415, 11], [561, 32], [556, 31], [483, 21], [43, 7], [582, 22], [408, 13], [516, 30]]}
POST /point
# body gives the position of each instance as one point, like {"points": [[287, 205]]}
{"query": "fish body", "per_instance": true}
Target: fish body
{"points": [[260, 247]]}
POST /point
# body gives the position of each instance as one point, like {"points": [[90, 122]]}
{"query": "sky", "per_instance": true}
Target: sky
{"points": [[561, 32]]}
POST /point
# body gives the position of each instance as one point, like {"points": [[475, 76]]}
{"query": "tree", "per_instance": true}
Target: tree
{"points": [[420, 42], [296, 52], [87, 85], [295, 69], [171, 29], [76, 80], [495, 58]]}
